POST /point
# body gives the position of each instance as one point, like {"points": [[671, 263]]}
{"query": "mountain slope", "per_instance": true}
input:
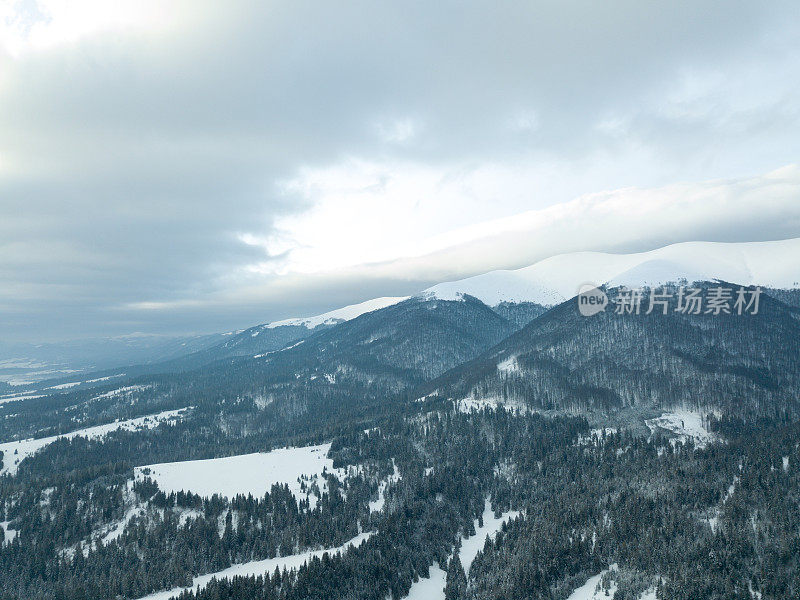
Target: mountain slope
{"points": [[742, 364], [555, 279]]}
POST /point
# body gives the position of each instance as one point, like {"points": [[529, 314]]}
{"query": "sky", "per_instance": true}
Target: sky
{"points": [[179, 167]]}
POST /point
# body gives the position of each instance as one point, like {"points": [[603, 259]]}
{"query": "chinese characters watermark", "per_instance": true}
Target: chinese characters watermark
{"points": [[684, 300]]}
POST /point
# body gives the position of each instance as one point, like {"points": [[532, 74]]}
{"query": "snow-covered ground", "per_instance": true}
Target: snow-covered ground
{"points": [[340, 314], [491, 526], [245, 473], [595, 435], [15, 397], [429, 588], [432, 587], [260, 567], [64, 386], [128, 389], [591, 589], [684, 424], [556, 279], [15, 452], [508, 365], [377, 505], [9, 533], [467, 405]]}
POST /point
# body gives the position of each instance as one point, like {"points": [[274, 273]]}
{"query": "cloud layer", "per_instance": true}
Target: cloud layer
{"points": [[198, 166]]}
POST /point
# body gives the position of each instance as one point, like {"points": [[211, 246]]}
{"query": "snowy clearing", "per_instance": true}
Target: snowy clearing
{"points": [[684, 424], [15, 452], [467, 405], [377, 505], [9, 533], [64, 386], [491, 526], [245, 473], [591, 589], [595, 435], [432, 587], [294, 561], [429, 588], [20, 397], [508, 366], [128, 389]]}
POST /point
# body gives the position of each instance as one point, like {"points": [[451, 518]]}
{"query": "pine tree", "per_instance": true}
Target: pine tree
{"points": [[456, 583]]}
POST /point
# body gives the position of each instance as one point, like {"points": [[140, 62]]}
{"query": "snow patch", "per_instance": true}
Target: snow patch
{"points": [[508, 366], [10, 534], [245, 473], [467, 405], [429, 588], [15, 452], [259, 567], [470, 546], [684, 424], [591, 590], [432, 587], [377, 505]]}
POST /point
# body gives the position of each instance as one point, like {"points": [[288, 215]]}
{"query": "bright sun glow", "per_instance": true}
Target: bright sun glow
{"points": [[35, 25]]}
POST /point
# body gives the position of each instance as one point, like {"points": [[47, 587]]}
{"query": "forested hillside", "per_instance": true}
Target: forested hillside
{"points": [[656, 454]]}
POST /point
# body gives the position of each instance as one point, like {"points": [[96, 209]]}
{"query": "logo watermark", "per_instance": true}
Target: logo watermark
{"points": [[719, 300], [591, 300]]}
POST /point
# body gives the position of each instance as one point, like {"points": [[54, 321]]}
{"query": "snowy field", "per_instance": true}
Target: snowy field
{"points": [[294, 561], [244, 474], [591, 589], [432, 587], [15, 452], [467, 405], [684, 424], [8, 533]]}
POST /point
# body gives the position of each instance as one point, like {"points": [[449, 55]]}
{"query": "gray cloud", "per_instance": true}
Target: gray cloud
{"points": [[131, 162]]}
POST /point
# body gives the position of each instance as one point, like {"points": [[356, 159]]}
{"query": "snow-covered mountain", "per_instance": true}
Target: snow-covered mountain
{"points": [[337, 316], [555, 279]]}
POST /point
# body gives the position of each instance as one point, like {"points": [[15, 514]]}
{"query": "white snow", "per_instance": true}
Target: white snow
{"points": [[591, 589], [429, 588], [491, 526], [20, 397], [595, 435], [649, 594], [128, 389], [683, 423], [556, 279], [340, 314], [260, 567], [470, 404], [15, 452], [432, 587], [509, 365], [64, 386], [377, 505], [245, 473], [10, 534], [105, 378]]}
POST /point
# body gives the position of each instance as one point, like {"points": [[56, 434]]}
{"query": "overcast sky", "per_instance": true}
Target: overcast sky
{"points": [[183, 167]]}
